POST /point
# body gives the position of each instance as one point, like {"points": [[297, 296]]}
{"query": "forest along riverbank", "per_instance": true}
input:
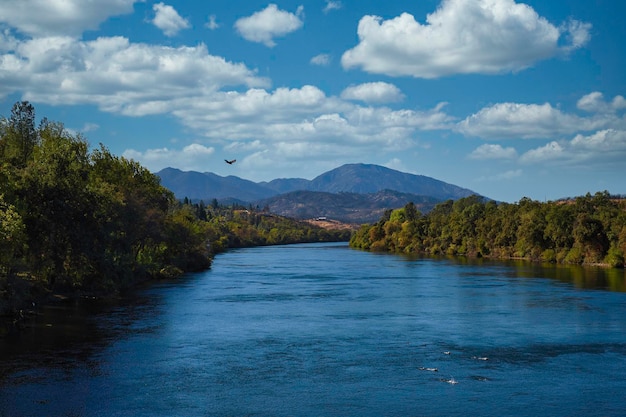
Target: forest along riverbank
{"points": [[589, 230]]}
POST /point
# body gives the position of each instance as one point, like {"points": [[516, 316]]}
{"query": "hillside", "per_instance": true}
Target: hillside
{"points": [[207, 186], [355, 193], [345, 207]]}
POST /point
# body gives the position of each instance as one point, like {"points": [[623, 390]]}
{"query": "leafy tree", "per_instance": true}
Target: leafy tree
{"points": [[19, 134], [12, 237]]}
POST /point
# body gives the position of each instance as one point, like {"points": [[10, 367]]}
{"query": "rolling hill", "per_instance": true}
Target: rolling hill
{"points": [[356, 193]]}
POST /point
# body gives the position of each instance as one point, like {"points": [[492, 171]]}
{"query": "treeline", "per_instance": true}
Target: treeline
{"points": [[585, 230], [236, 227], [74, 220]]}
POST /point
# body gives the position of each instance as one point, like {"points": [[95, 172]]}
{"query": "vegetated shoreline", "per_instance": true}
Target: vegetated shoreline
{"points": [[587, 230], [478, 255], [15, 313]]}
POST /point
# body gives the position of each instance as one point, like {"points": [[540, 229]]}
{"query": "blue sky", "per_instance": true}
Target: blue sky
{"points": [[510, 99]]}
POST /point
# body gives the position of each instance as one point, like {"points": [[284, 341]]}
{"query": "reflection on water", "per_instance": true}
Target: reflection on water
{"points": [[68, 333], [325, 330], [585, 277]]}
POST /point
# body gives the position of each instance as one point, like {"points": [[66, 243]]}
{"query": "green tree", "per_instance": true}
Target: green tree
{"points": [[12, 237], [19, 134]]}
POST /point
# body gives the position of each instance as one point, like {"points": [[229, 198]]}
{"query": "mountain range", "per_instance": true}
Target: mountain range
{"points": [[354, 193]]}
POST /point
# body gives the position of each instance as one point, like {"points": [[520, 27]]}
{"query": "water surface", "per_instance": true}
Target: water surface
{"points": [[320, 329]]}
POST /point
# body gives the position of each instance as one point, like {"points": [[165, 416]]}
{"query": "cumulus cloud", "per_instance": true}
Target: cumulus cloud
{"points": [[604, 146], [537, 121], [168, 20], [514, 120], [608, 140], [489, 151], [306, 114], [265, 25], [116, 75], [550, 151], [205, 93], [376, 92], [595, 103], [60, 17], [193, 157], [321, 60], [461, 37]]}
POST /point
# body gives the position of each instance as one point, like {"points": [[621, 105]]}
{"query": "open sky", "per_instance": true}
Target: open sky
{"points": [[510, 99]]}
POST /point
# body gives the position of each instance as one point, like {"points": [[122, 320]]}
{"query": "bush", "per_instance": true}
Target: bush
{"points": [[614, 258], [574, 256], [548, 255]]}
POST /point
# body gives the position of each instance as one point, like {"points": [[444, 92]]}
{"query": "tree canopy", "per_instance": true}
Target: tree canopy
{"points": [[588, 229]]}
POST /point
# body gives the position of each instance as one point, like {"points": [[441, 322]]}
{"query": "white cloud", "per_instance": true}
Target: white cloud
{"points": [[292, 116], [321, 60], [332, 5], [461, 37], [577, 34], [602, 147], [542, 121], [551, 151], [193, 157], [116, 75], [212, 23], [489, 151], [604, 141], [168, 20], [376, 92], [594, 103], [199, 89], [265, 25], [525, 121], [60, 17]]}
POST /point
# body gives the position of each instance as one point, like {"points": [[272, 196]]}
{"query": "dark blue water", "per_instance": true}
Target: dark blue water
{"points": [[323, 330]]}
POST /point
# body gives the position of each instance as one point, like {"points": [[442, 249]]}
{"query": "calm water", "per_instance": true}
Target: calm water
{"points": [[323, 330]]}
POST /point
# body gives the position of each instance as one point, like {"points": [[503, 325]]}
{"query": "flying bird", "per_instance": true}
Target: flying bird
{"points": [[232, 161]]}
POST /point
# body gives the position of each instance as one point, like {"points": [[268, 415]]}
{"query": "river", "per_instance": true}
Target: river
{"points": [[324, 330]]}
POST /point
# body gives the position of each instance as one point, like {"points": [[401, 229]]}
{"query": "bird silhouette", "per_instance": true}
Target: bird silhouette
{"points": [[232, 161]]}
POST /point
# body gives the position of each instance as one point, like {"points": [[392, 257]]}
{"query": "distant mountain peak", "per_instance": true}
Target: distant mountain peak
{"points": [[355, 178]]}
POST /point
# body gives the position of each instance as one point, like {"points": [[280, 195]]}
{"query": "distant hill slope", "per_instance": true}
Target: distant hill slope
{"points": [[352, 193], [345, 207], [207, 186]]}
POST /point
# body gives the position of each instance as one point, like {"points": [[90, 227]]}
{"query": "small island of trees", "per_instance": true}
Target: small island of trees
{"points": [[584, 230]]}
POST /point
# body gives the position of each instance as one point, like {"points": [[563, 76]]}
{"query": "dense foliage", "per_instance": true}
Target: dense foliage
{"points": [[71, 219], [584, 230], [234, 227], [75, 220]]}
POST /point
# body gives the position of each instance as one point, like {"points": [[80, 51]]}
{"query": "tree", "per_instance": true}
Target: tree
{"points": [[12, 237], [57, 205], [19, 134]]}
